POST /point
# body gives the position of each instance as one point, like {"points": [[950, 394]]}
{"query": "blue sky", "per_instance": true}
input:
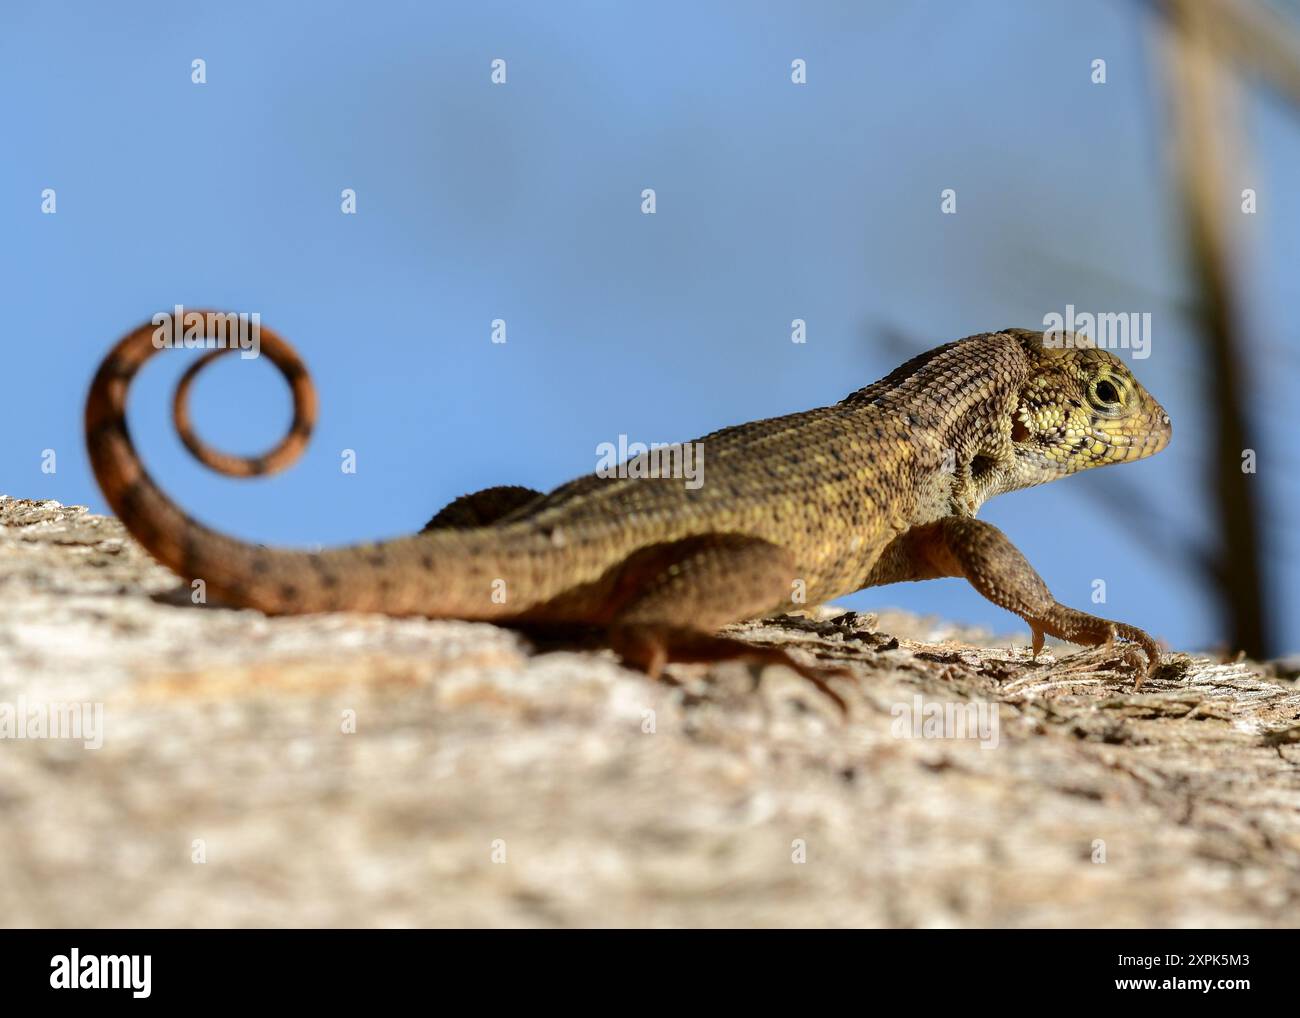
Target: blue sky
{"points": [[522, 202]]}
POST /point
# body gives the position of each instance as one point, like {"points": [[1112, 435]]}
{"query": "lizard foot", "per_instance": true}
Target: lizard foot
{"points": [[651, 648], [1091, 631], [964, 546]]}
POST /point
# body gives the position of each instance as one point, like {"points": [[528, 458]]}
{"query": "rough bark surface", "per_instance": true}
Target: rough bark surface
{"points": [[489, 782]]}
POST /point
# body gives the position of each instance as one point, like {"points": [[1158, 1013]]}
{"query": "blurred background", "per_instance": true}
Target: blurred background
{"points": [[1114, 187]]}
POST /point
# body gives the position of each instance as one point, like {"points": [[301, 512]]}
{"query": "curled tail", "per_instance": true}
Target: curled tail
{"points": [[448, 574]]}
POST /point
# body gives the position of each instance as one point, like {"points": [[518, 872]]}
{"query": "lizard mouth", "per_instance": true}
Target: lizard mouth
{"points": [[1159, 432], [1113, 444]]}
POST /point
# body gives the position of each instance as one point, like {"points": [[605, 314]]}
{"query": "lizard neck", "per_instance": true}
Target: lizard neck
{"points": [[955, 405]]}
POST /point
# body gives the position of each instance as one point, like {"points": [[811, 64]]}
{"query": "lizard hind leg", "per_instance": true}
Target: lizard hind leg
{"points": [[481, 508], [671, 598]]}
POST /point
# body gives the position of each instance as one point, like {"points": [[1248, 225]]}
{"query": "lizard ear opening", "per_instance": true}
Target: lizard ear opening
{"points": [[1019, 432]]}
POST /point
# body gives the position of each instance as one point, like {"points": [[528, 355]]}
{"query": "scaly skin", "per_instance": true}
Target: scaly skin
{"points": [[794, 510]]}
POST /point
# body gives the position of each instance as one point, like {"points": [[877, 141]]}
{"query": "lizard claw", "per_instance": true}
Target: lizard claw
{"points": [[650, 648], [1137, 648]]}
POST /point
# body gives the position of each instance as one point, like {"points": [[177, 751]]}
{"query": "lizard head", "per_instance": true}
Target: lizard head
{"points": [[1080, 407]]}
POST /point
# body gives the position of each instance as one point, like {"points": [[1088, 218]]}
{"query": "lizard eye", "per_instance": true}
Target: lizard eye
{"points": [[1106, 395]]}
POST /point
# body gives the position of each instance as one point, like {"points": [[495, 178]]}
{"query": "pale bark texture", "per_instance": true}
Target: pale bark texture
{"points": [[489, 782]]}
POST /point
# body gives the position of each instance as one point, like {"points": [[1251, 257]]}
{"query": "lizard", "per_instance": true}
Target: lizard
{"points": [[881, 487]]}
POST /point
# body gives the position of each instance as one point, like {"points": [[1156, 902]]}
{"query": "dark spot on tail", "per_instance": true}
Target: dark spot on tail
{"points": [[130, 499], [117, 368], [113, 426], [190, 547], [327, 578]]}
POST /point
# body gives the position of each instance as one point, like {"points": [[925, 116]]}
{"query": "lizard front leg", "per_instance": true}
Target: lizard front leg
{"points": [[670, 598], [963, 546]]}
